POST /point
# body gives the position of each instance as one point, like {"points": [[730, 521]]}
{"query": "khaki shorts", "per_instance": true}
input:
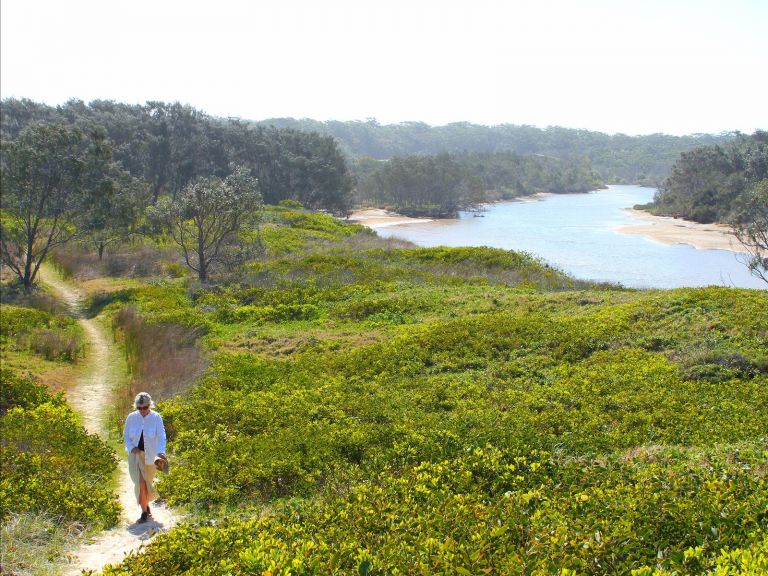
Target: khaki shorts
{"points": [[139, 469]]}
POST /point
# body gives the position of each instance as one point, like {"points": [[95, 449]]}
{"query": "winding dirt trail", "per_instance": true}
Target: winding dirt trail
{"points": [[91, 397]]}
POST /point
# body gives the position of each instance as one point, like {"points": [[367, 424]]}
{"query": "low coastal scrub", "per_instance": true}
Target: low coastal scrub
{"points": [[489, 511], [50, 464], [581, 384], [55, 478], [52, 336], [373, 408]]}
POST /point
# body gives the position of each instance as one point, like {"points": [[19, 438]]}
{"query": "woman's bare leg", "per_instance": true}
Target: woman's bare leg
{"points": [[143, 495]]}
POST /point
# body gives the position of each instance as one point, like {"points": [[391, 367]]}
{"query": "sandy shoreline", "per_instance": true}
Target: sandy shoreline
{"points": [[668, 230], [380, 218], [663, 229]]}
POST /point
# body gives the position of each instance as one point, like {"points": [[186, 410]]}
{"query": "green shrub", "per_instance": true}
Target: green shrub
{"points": [[52, 336], [16, 321], [20, 391], [49, 463], [499, 512], [261, 314]]}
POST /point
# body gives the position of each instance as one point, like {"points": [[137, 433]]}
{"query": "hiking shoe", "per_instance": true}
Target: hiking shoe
{"points": [[143, 518]]}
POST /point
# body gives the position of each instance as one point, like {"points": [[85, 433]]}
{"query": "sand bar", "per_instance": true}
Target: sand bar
{"points": [[668, 230], [380, 218]]}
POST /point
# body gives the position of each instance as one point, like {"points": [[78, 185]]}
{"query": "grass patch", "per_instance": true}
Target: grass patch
{"points": [[36, 544]]}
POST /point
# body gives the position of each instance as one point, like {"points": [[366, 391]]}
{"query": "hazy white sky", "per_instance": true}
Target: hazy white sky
{"points": [[632, 66]]}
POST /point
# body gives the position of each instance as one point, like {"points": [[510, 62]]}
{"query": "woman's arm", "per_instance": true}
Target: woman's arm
{"points": [[160, 435], [128, 444]]}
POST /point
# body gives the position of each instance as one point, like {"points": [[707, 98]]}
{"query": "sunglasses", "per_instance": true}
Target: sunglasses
{"points": [[142, 408]]}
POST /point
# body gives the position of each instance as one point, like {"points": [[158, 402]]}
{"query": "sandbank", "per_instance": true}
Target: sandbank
{"points": [[668, 230], [380, 218], [535, 197]]}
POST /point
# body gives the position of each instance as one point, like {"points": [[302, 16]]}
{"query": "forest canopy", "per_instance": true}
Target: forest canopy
{"points": [[714, 183], [440, 185], [169, 145], [617, 158]]}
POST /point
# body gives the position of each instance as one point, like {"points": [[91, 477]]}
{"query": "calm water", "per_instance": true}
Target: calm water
{"points": [[576, 233]]}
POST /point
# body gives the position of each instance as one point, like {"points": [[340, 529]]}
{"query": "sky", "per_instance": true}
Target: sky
{"points": [[628, 66]]}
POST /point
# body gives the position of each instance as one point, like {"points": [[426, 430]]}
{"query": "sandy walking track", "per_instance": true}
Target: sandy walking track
{"points": [[91, 398]]}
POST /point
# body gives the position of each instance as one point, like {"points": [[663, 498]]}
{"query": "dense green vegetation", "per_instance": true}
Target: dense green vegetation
{"points": [[55, 478], [617, 159], [167, 146], [712, 183], [49, 462], [439, 186], [374, 408], [52, 336], [494, 512]]}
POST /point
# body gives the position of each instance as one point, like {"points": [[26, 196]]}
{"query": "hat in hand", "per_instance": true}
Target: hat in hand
{"points": [[161, 463]]}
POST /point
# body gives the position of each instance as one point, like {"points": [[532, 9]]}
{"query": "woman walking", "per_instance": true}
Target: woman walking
{"points": [[144, 436]]}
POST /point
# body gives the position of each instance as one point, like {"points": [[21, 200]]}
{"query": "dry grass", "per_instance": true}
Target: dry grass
{"points": [[283, 345], [162, 358], [35, 544], [135, 262], [53, 345]]}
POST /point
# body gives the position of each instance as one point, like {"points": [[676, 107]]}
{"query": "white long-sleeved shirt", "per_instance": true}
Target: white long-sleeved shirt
{"points": [[154, 434]]}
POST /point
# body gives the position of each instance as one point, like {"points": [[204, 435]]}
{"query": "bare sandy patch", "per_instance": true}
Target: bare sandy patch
{"points": [[537, 197], [380, 218], [668, 230]]}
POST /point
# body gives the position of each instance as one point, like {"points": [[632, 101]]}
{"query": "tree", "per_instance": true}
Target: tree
{"points": [[49, 177], [116, 209], [206, 216], [751, 228]]}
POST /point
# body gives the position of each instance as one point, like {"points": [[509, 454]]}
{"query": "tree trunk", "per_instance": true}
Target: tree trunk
{"points": [[27, 279]]}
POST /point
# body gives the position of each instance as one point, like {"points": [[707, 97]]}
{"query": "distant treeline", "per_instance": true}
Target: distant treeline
{"points": [[711, 183], [166, 146], [169, 145], [440, 185], [331, 165], [617, 158]]}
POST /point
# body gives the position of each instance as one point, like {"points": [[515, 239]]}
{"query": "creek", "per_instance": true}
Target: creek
{"points": [[578, 233]]}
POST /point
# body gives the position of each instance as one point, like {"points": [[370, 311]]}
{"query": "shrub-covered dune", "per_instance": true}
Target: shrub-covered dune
{"points": [[373, 408]]}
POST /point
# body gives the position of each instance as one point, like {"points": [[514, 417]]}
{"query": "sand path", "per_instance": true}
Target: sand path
{"points": [[91, 397]]}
